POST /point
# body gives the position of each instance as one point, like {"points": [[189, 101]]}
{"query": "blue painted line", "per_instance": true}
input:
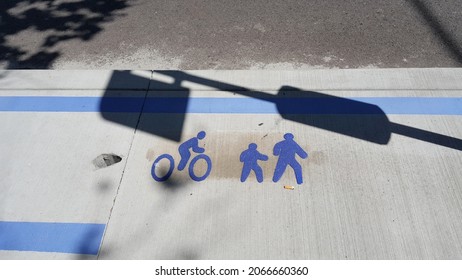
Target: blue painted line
{"points": [[70, 104], [315, 106], [207, 105], [71, 238]]}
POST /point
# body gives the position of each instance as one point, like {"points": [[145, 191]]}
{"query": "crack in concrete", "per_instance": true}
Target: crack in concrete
{"points": [[125, 165]]}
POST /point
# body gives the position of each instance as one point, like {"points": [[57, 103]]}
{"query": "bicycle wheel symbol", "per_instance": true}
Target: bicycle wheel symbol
{"points": [[170, 170], [190, 169], [193, 162]]}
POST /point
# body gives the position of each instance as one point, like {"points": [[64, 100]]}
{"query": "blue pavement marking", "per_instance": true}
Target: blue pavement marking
{"points": [[70, 104], [250, 158], [286, 150], [207, 105], [185, 153], [71, 238]]}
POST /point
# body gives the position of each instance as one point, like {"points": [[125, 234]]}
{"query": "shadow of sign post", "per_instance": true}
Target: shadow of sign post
{"points": [[117, 103], [340, 115], [169, 103]]}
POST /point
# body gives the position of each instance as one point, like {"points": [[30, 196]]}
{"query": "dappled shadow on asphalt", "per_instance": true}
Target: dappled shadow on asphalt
{"points": [[58, 20]]}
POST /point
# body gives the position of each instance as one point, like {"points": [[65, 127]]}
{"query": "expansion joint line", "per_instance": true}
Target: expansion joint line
{"points": [[125, 165]]}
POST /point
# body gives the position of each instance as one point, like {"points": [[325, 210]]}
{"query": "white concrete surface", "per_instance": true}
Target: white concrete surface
{"points": [[324, 79], [359, 199], [73, 80], [47, 170]]}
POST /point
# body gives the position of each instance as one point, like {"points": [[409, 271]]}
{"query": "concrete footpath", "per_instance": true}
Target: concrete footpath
{"points": [[316, 164]]}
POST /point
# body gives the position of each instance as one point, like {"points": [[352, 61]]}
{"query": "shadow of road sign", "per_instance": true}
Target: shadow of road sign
{"points": [[350, 117], [127, 93], [340, 115], [167, 106]]}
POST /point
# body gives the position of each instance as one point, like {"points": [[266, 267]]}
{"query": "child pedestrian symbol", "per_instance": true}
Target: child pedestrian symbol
{"points": [[250, 157], [287, 150]]}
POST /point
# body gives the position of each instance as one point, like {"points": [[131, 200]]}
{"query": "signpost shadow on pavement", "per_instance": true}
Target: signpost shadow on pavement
{"points": [[344, 116], [117, 102], [340, 115], [352, 118]]}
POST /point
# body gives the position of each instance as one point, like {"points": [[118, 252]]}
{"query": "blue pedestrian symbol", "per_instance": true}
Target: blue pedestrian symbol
{"points": [[250, 157], [287, 150]]}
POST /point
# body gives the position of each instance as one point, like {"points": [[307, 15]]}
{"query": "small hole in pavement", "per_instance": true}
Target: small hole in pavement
{"points": [[105, 160]]}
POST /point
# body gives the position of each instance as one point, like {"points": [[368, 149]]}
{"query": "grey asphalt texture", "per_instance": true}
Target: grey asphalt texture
{"points": [[223, 34]]}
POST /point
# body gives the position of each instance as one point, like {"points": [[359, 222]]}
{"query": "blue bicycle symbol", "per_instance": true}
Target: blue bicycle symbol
{"points": [[185, 154]]}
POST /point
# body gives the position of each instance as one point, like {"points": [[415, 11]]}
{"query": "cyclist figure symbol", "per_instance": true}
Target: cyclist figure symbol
{"points": [[183, 149], [192, 144]]}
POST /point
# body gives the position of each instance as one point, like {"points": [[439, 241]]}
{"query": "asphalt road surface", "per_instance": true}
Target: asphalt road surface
{"points": [[223, 34]]}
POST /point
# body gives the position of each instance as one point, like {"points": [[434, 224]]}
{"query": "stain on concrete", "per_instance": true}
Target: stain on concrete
{"points": [[150, 154], [317, 157], [227, 164], [105, 160]]}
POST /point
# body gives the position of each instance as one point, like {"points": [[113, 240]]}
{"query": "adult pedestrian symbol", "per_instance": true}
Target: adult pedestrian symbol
{"points": [[287, 150]]}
